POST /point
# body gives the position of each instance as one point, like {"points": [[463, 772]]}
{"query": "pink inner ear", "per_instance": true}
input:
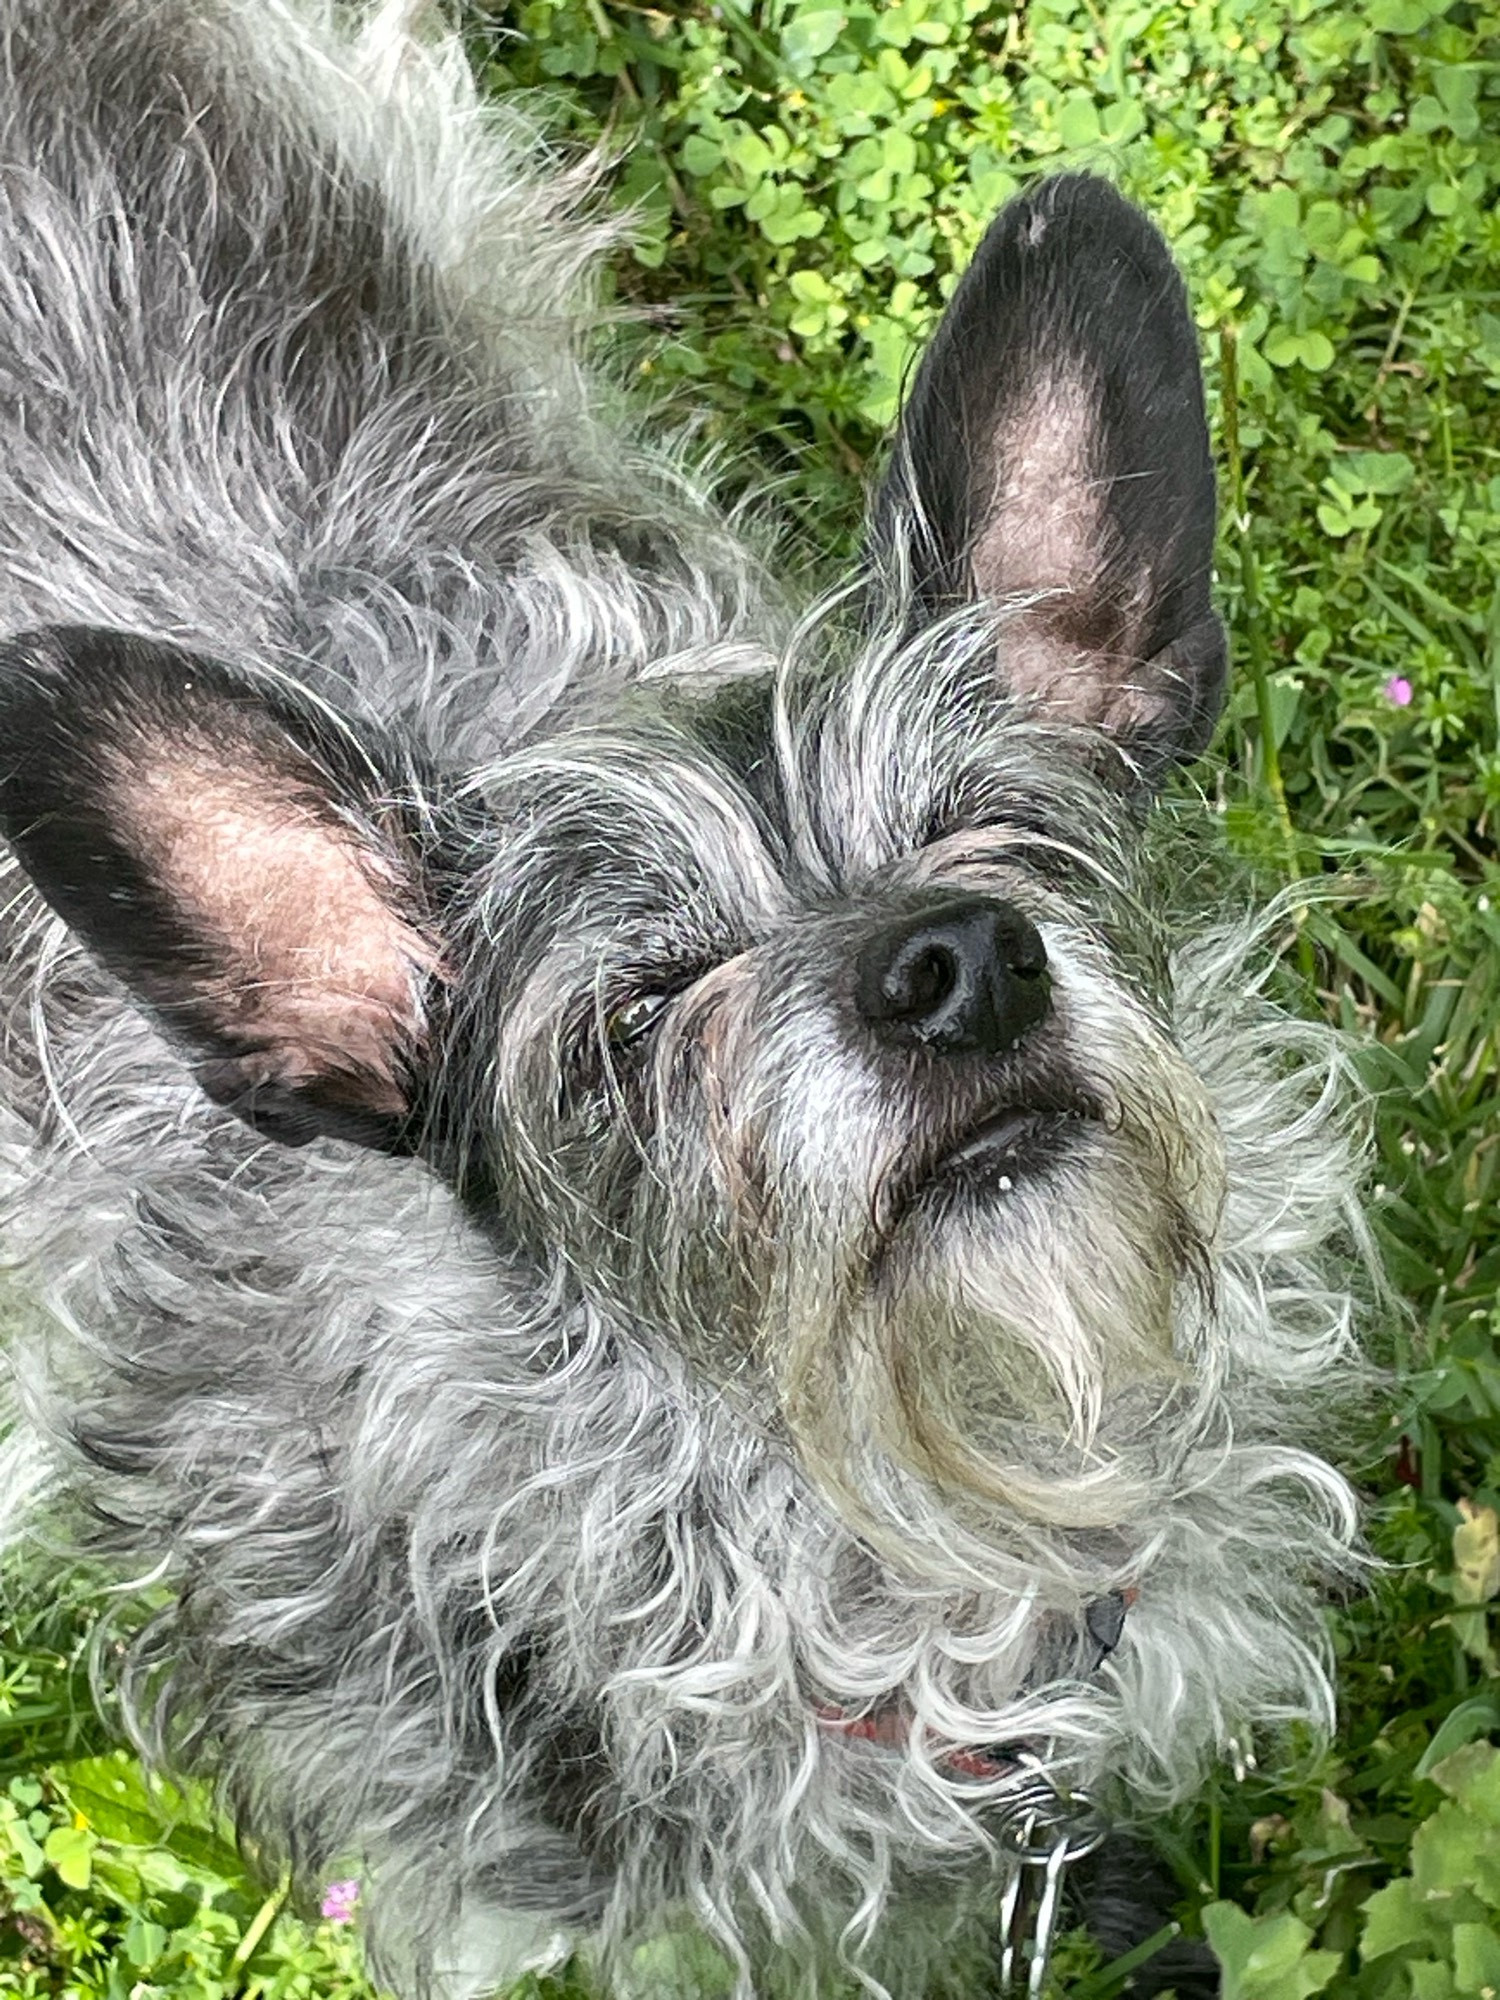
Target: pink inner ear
{"points": [[314, 973], [1042, 526], [1045, 535]]}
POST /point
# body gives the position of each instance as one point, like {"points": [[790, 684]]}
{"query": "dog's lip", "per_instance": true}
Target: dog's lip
{"points": [[991, 1152], [994, 1141]]}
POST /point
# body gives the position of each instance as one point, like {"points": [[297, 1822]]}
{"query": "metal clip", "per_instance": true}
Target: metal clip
{"points": [[1050, 1832]]}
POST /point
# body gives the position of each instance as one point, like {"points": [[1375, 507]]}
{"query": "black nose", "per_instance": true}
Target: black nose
{"points": [[969, 977]]}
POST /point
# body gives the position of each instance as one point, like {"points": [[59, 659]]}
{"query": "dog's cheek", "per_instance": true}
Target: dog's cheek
{"points": [[1144, 1086], [699, 1203]]}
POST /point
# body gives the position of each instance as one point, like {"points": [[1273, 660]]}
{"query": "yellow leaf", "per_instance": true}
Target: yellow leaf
{"points": [[1476, 1554]]}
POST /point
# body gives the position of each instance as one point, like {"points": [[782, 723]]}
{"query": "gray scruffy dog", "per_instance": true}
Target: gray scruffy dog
{"points": [[645, 1211]]}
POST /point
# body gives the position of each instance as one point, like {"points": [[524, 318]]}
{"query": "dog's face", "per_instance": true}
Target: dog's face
{"points": [[805, 1014], [847, 1071]]}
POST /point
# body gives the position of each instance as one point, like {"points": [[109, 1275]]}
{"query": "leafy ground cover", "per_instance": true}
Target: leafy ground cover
{"points": [[808, 179]]}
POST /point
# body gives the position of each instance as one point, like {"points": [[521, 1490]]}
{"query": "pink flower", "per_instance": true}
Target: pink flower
{"points": [[1398, 690], [339, 1899]]}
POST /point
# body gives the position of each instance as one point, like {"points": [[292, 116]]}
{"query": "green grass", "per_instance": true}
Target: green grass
{"points": [[808, 180]]}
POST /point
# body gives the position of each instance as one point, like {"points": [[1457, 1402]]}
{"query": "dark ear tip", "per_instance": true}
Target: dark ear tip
{"points": [[1078, 194], [1075, 194], [1067, 216], [38, 677], [35, 659], [49, 662]]}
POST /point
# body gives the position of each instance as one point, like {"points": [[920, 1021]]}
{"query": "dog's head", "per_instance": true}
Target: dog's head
{"points": [[807, 1013]]}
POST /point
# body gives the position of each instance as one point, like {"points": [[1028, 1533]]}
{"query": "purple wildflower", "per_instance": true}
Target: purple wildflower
{"points": [[1398, 690], [339, 1899]]}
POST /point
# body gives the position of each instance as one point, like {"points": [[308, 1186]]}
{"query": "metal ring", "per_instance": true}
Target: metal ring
{"points": [[1047, 1831]]}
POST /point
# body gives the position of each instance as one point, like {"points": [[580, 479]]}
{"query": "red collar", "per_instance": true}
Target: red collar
{"points": [[1104, 1621]]}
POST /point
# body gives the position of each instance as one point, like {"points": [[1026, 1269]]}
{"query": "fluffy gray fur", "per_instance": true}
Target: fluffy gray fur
{"points": [[529, 1506]]}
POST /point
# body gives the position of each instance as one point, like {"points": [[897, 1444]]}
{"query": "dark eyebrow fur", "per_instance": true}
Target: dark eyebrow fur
{"points": [[736, 727]]}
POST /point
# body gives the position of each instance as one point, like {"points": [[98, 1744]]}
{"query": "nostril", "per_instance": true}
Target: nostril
{"points": [[1020, 948], [923, 981]]}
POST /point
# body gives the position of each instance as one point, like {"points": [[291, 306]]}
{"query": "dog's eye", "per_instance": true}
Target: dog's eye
{"points": [[635, 1020]]}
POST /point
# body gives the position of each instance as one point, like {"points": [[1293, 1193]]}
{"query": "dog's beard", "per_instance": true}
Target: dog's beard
{"points": [[965, 1356], [1016, 1353]]}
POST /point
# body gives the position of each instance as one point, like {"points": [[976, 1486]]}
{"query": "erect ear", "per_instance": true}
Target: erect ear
{"points": [[239, 859], [1053, 458]]}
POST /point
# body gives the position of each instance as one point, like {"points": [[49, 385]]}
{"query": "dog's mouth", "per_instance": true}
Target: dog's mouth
{"points": [[1001, 1150], [988, 1160]]}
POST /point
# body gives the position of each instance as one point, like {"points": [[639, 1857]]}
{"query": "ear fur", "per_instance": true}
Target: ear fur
{"points": [[1053, 459], [238, 859]]}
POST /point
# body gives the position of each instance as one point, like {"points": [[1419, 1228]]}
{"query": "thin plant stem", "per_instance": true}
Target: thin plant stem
{"points": [[255, 1932], [1253, 625], [1215, 1846]]}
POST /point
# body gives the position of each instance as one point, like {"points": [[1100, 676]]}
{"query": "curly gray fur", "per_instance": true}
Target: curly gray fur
{"points": [[532, 1492]]}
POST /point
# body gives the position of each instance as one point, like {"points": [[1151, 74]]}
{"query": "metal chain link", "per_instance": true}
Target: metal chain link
{"points": [[1048, 1831]]}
